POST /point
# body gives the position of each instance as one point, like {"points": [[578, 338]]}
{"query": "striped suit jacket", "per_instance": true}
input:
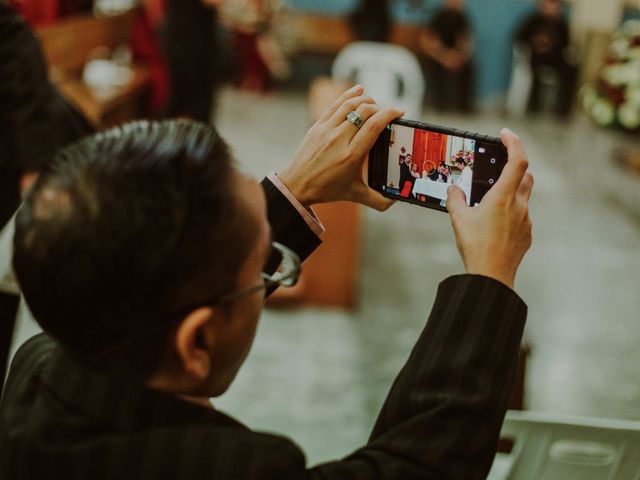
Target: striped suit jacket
{"points": [[441, 419]]}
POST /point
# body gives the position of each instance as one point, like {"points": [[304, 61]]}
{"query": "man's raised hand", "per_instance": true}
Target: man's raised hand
{"points": [[494, 236], [330, 163]]}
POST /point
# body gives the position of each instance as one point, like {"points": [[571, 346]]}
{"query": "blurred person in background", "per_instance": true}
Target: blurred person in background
{"points": [[35, 120], [45, 12], [371, 21], [146, 48], [190, 44], [260, 57], [447, 43], [545, 34]]}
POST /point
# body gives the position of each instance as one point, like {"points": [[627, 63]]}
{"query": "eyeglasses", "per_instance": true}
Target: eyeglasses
{"points": [[285, 264]]}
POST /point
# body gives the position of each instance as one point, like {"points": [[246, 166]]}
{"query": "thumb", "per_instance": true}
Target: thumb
{"points": [[456, 199], [373, 199]]}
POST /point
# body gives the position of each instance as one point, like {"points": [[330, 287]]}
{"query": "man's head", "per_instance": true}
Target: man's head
{"points": [[407, 159], [461, 162], [128, 235], [551, 8]]}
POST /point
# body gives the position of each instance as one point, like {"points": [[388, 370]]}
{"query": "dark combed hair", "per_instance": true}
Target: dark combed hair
{"points": [[126, 227], [372, 21]]}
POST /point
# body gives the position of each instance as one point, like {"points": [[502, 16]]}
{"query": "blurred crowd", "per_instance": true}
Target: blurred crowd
{"points": [[194, 46], [446, 50]]}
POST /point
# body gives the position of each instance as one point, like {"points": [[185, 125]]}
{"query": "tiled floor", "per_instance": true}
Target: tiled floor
{"points": [[319, 375]]}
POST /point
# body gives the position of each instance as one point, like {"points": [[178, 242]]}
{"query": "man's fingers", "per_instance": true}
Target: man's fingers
{"points": [[526, 186], [456, 199], [366, 196], [366, 111], [512, 142], [352, 92], [514, 171], [370, 131], [350, 105]]}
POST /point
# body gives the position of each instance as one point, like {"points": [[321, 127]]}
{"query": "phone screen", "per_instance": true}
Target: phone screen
{"points": [[417, 163]]}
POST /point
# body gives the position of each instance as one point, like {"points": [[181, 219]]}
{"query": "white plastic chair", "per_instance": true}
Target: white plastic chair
{"points": [[550, 447], [391, 74], [521, 81]]}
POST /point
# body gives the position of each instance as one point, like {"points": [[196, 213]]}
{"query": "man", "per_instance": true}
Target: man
{"points": [[465, 179], [158, 245], [447, 42], [440, 174], [545, 33], [405, 171]]}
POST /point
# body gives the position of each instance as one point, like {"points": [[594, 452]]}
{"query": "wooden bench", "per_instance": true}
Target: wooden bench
{"points": [[67, 45]]}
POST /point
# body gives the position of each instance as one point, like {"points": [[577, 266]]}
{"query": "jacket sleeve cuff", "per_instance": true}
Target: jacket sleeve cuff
{"points": [[287, 224], [307, 214]]}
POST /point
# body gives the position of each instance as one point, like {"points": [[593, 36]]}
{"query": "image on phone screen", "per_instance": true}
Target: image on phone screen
{"points": [[418, 165]]}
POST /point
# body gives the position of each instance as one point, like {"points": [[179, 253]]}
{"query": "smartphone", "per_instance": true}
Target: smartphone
{"points": [[416, 162]]}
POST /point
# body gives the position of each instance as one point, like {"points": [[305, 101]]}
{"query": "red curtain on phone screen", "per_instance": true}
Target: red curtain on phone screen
{"points": [[429, 146]]}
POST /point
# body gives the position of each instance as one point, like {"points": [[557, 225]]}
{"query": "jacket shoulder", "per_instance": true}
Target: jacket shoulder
{"points": [[29, 359]]}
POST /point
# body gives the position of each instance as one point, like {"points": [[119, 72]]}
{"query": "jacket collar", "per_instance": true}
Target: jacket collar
{"points": [[118, 403]]}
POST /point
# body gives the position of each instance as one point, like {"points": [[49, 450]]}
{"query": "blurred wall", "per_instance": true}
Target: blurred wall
{"points": [[494, 22], [596, 15]]}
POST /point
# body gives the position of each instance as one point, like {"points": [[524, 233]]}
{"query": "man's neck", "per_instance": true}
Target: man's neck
{"points": [[169, 385], [202, 401]]}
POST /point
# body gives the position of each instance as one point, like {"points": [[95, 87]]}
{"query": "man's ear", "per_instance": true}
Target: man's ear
{"points": [[194, 342]]}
